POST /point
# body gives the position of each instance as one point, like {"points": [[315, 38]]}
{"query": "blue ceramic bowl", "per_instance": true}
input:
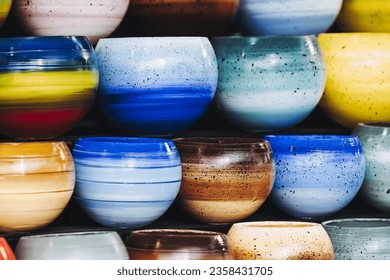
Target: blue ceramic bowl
{"points": [[268, 82], [156, 85], [316, 175], [126, 182], [287, 17]]}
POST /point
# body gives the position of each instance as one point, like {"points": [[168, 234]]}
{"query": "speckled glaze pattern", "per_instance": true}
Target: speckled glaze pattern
{"points": [[364, 16], [156, 86], [6, 252], [94, 19], [375, 139], [359, 238], [279, 240], [316, 175], [5, 8], [225, 179], [287, 17], [126, 182], [357, 83], [268, 82]]}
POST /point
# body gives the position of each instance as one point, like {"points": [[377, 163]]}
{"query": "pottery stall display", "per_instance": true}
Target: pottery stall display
{"points": [[357, 83], [87, 245], [6, 252], [156, 86], [375, 139], [36, 183], [225, 179], [94, 19], [279, 240], [268, 82], [359, 238], [316, 175], [177, 244], [47, 85], [287, 17], [126, 182], [5, 7]]}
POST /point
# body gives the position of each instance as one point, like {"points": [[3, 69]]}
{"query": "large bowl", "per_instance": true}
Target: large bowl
{"points": [[287, 17], [5, 8], [6, 252], [47, 84], [126, 182], [94, 19], [357, 83], [156, 85], [36, 183], [268, 82]]}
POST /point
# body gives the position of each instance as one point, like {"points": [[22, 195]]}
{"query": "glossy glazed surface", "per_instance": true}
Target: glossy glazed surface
{"points": [[6, 252], [268, 82], [5, 7]]}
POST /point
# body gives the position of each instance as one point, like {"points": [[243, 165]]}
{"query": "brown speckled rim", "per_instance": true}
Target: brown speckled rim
{"points": [[277, 224], [223, 142]]}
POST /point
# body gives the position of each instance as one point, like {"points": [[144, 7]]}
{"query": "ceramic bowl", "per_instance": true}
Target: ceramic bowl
{"points": [[5, 8], [156, 86], [94, 19], [364, 16], [6, 252], [287, 17], [316, 175], [225, 179], [268, 82], [375, 139], [359, 238], [88, 245], [180, 17], [47, 85], [36, 183], [357, 81], [177, 244], [126, 182], [279, 240]]}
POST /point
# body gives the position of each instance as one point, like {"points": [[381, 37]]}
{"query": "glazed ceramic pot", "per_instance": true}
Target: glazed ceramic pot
{"points": [[357, 81], [287, 17], [364, 16], [177, 244], [5, 7], [268, 82], [359, 238], [156, 86], [94, 19], [47, 85], [279, 240], [6, 252], [36, 183], [375, 139], [316, 175], [126, 182], [225, 179], [88, 245]]}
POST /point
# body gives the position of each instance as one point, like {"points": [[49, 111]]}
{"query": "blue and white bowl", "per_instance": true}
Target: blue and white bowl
{"points": [[126, 182]]}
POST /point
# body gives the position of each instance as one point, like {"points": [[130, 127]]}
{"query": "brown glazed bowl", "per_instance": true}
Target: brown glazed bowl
{"points": [[180, 17], [225, 179]]}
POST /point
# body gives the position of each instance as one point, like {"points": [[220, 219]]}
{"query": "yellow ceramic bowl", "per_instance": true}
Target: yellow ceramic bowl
{"points": [[5, 7], [364, 16], [358, 81]]}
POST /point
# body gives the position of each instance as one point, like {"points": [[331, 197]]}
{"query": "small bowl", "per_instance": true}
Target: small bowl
{"points": [[177, 244], [359, 238], [94, 19], [6, 252], [316, 175], [37, 178], [225, 179], [5, 8], [357, 66], [279, 240], [126, 182], [156, 86], [92, 245], [364, 16], [268, 82], [287, 17], [47, 85]]}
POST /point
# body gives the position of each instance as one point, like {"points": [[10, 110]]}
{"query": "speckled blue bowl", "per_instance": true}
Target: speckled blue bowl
{"points": [[126, 182], [156, 86], [287, 17], [316, 175], [268, 82]]}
